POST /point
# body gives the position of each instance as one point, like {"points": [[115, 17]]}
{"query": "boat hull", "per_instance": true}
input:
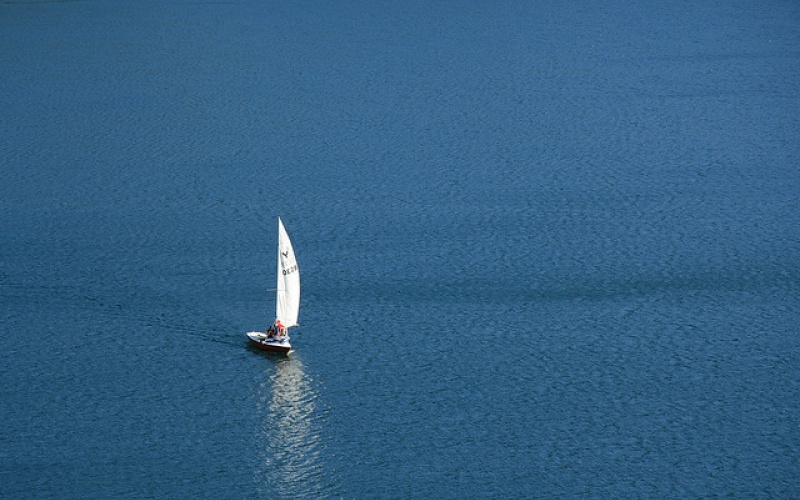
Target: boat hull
{"points": [[260, 341]]}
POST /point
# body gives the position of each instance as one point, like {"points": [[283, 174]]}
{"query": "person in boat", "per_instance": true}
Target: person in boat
{"points": [[271, 332], [281, 329]]}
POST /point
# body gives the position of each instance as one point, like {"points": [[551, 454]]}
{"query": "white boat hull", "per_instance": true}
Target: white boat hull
{"points": [[261, 341]]}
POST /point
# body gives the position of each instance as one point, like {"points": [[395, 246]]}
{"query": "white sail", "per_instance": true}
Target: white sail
{"points": [[287, 305]]}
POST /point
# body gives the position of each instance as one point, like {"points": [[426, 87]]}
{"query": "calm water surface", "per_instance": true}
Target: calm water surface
{"points": [[547, 251]]}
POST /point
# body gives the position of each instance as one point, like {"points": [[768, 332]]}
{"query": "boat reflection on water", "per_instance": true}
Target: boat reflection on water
{"points": [[290, 433]]}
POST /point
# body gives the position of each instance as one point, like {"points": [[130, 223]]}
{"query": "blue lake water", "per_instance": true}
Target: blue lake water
{"points": [[547, 250]]}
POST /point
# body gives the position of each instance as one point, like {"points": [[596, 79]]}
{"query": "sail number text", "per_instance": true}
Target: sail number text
{"points": [[290, 270]]}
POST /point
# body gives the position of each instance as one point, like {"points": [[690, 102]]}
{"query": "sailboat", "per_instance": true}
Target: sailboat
{"points": [[287, 300]]}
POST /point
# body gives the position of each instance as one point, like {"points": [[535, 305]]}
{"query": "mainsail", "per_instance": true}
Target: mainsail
{"points": [[287, 305]]}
